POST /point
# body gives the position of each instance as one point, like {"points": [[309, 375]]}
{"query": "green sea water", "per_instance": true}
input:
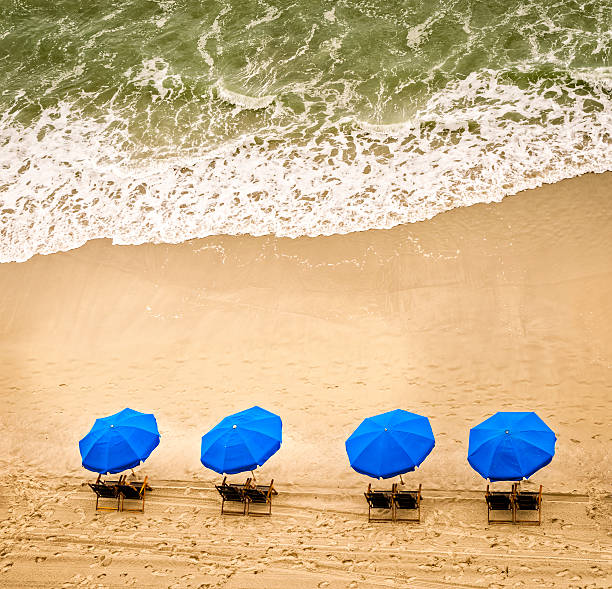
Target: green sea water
{"points": [[164, 120]]}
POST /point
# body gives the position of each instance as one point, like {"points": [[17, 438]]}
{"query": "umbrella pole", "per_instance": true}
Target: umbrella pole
{"points": [[401, 480], [253, 475]]}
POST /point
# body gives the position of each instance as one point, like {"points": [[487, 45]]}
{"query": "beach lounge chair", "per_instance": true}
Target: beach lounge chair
{"points": [[379, 500], [527, 501], [232, 493], [106, 490], [259, 495], [133, 492], [406, 501], [500, 501]]}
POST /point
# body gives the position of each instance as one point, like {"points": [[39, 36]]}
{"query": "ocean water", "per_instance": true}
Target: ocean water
{"points": [[164, 120]]}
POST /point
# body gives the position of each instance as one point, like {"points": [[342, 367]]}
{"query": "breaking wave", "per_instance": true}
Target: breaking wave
{"points": [[165, 124], [243, 100]]}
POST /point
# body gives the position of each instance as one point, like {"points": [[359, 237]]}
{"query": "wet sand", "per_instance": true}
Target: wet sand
{"points": [[492, 307]]}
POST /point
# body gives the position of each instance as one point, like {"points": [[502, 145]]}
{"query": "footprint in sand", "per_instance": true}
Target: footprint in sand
{"points": [[486, 570]]}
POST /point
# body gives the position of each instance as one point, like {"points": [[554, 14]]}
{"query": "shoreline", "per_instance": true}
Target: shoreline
{"points": [[594, 172]]}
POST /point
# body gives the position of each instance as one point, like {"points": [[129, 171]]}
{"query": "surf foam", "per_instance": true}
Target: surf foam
{"points": [[70, 176]]}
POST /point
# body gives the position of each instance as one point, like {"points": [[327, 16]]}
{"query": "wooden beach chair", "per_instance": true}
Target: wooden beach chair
{"points": [[106, 490], [527, 501], [406, 501], [259, 495], [133, 492], [500, 501], [379, 500], [232, 493]]}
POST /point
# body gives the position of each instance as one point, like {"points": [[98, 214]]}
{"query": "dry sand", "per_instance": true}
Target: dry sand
{"points": [[493, 307]]}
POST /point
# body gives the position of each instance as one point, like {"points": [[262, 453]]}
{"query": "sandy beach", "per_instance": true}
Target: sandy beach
{"points": [[493, 307]]}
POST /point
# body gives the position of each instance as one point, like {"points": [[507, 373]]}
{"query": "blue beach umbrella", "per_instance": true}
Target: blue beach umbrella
{"points": [[120, 441], [242, 442], [510, 446], [390, 444]]}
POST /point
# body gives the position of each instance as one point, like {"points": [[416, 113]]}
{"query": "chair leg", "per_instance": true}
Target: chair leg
{"points": [[534, 522], [104, 507], [540, 515], [258, 513], [416, 519], [500, 521], [244, 508], [121, 505]]}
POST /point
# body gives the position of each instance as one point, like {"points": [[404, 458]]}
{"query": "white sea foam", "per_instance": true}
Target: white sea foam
{"points": [[155, 73], [272, 13], [71, 177], [212, 33], [330, 15], [243, 100], [387, 128], [597, 75], [417, 34]]}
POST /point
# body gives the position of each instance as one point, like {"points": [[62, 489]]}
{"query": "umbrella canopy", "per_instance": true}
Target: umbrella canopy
{"points": [[242, 442], [510, 446], [390, 444], [120, 441]]}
